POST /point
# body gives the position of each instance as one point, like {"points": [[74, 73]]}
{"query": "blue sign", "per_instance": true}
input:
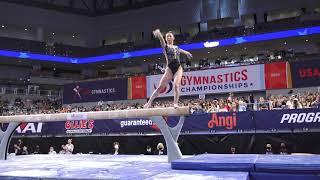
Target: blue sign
{"points": [[305, 73], [94, 91], [294, 120]]}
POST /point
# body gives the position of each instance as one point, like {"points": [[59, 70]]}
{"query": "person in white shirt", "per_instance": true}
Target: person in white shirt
{"points": [[69, 147], [52, 151], [115, 149]]}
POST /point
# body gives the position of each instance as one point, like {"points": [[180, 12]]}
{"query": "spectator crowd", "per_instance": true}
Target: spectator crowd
{"points": [[231, 103]]}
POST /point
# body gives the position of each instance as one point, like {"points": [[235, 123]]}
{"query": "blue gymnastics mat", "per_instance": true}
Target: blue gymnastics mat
{"points": [[217, 162], [297, 164], [308, 164]]}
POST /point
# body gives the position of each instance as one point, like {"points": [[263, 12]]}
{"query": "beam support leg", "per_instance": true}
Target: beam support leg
{"points": [[5, 137], [171, 136]]}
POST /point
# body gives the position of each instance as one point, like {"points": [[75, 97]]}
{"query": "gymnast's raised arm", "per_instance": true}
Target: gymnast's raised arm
{"points": [[157, 34]]}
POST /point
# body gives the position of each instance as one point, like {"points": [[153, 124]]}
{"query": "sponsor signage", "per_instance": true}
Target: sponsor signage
{"points": [[290, 120], [94, 91], [137, 87], [29, 128], [276, 75], [234, 79], [305, 73]]}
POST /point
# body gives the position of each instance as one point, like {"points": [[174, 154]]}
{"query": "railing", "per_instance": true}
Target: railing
{"points": [[29, 91]]}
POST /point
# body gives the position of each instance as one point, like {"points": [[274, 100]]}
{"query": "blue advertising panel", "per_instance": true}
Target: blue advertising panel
{"points": [[94, 91], [305, 73], [288, 120]]}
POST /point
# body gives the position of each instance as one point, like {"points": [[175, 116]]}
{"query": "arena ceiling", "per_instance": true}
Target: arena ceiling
{"points": [[90, 8]]}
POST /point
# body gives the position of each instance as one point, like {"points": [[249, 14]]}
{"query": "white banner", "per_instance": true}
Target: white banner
{"points": [[232, 79]]}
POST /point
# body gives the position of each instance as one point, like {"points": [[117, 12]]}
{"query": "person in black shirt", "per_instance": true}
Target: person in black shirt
{"points": [[148, 151], [18, 147], [37, 150]]}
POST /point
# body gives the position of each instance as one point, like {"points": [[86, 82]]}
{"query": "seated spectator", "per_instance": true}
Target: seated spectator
{"points": [[316, 103], [160, 149], [269, 149], [69, 147], [148, 151], [233, 150], [262, 104], [25, 150], [215, 106], [18, 147], [296, 104], [52, 151], [304, 102], [37, 150], [115, 148], [223, 106], [283, 149], [242, 105], [63, 149]]}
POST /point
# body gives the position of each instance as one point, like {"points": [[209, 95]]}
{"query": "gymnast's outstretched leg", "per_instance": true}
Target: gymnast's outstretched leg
{"points": [[177, 84], [166, 78]]}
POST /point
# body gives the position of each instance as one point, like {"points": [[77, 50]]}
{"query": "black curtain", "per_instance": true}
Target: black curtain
{"points": [[189, 144]]}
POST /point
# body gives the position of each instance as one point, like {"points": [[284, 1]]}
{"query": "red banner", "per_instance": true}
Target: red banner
{"points": [[276, 75], [138, 88]]}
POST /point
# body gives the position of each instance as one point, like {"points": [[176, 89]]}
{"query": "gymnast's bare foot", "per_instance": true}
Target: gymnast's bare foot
{"points": [[175, 105], [147, 105]]}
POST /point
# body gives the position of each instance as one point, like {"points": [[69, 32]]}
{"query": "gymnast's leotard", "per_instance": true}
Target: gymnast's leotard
{"points": [[173, 55]]}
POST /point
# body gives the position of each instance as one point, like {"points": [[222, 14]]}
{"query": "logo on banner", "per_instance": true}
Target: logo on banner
{"points": [[79, 93], [300, 118], [166, 89], [229, 122], [76, 116], [141, 122], [309, 72], [29, 127], [79, 126], [233, 79]]}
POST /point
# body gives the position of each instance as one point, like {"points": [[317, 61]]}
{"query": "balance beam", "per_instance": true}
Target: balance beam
{"points": [[170, 134], [98, 115]]}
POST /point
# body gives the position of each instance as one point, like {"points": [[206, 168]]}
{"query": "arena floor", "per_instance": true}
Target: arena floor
{"points": [[102, 167]]}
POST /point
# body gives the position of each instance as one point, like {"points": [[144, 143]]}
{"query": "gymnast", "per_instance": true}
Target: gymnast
{"points": [[173, 69]]}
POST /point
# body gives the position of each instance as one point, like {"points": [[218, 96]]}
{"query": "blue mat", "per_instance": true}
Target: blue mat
{"points": [[200, 175], [288, 163], [217, 162], [297, 164], [282, 176]]}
